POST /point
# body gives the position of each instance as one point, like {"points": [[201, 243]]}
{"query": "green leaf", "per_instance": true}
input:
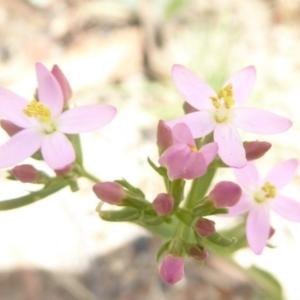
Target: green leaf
{"points": [[51, 188], [270, 285], [125, 214], [221, 240], [162, 250], [160, 170]]}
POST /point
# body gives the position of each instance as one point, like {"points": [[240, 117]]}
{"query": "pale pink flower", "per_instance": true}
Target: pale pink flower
{"points": [[222, 112], [262, 194], [182, 159], [45, 123]]}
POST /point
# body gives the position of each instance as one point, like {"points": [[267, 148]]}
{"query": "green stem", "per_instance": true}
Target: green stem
{"points": [[89, 176]]}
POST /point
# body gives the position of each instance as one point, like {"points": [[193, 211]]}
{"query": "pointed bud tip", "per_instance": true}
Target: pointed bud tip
{"points": [[225, 194], [163, 204], [256, 149], [205, 227], [171, 269], [109, 192]]}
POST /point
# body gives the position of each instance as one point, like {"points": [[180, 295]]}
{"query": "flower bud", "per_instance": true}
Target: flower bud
{"points": [[63, 83], [163, 204], [225, 194], [164, 136], [25, 173], [171, 269], [197, 252], [109, 192], [62, 172], [256, 149], [9, 127], [205, 227]]}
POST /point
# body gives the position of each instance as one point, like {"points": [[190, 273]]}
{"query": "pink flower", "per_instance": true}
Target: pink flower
{"points": [[109, 192], [183, 160], [221, 113], [171, 270], [261, 195], [163, 204], [45, 123]]}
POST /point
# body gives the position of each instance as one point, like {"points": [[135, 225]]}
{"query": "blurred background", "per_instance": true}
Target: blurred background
{"points": [[121, 53]]}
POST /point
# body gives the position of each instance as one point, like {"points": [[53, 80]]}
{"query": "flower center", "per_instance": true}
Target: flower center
{"points": [[193, 148], [42, 113], [267, 192], [222, 103]]}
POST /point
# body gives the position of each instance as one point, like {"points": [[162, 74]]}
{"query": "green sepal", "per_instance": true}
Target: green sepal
{"points": [[160, 170], [75, 140], [151, 221], [185, 216], [37, 155], [204, 208], [130, 188], [125, 214], [221, 240], [162, 250], [73, 185], [51, 188]]}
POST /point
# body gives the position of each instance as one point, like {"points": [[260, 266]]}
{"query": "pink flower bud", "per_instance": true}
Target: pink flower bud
{"points": [[205, 227], [256, 149], [63, 82], [25, 173], [164, 136], [171, 269], [62, 172], [225, 193], [109, 192], [197, 252], [272, 232], [9, 127], [163, 204]]}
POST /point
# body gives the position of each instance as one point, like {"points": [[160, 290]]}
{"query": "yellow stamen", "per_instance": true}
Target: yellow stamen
{"points": [[269, 189], [225, 94], [266, 192], [193, 148], [37, 110]]}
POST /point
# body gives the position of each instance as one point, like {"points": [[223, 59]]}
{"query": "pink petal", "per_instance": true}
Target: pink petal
{"points": [[286, 208], [258, 227], [194, 167], [182, 134], [11, 107], [200, 123], [243, 83], [282, 173], [20, 146], [49, 91], [243, 205], [63, 82], [57, 150], [248, 177], [86, 118], [209, 152], [193, 89], [260, 121], [231, 149]]}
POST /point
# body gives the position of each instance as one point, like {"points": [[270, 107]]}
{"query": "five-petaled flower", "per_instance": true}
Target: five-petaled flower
{"points": [[182, 159], [221, 113], [44, 123], [262, 194]]}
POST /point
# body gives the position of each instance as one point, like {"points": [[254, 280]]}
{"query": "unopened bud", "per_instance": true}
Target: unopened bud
{"points": [[63, 83], [171, 269], [197, 252], [205, 227], [163, 204], [271, 233], [164, 136], [62, 172], [9, 127], [25, 173], [256, 149], [225, 194], [109, 192]]}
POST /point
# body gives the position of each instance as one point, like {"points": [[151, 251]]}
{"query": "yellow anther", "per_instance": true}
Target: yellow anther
{"points": [[37, 110], [224, 96], [193, 148], [269, 189]]}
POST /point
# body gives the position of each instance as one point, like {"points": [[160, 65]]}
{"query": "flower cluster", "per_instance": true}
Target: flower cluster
{"points": [[191, 147]]}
